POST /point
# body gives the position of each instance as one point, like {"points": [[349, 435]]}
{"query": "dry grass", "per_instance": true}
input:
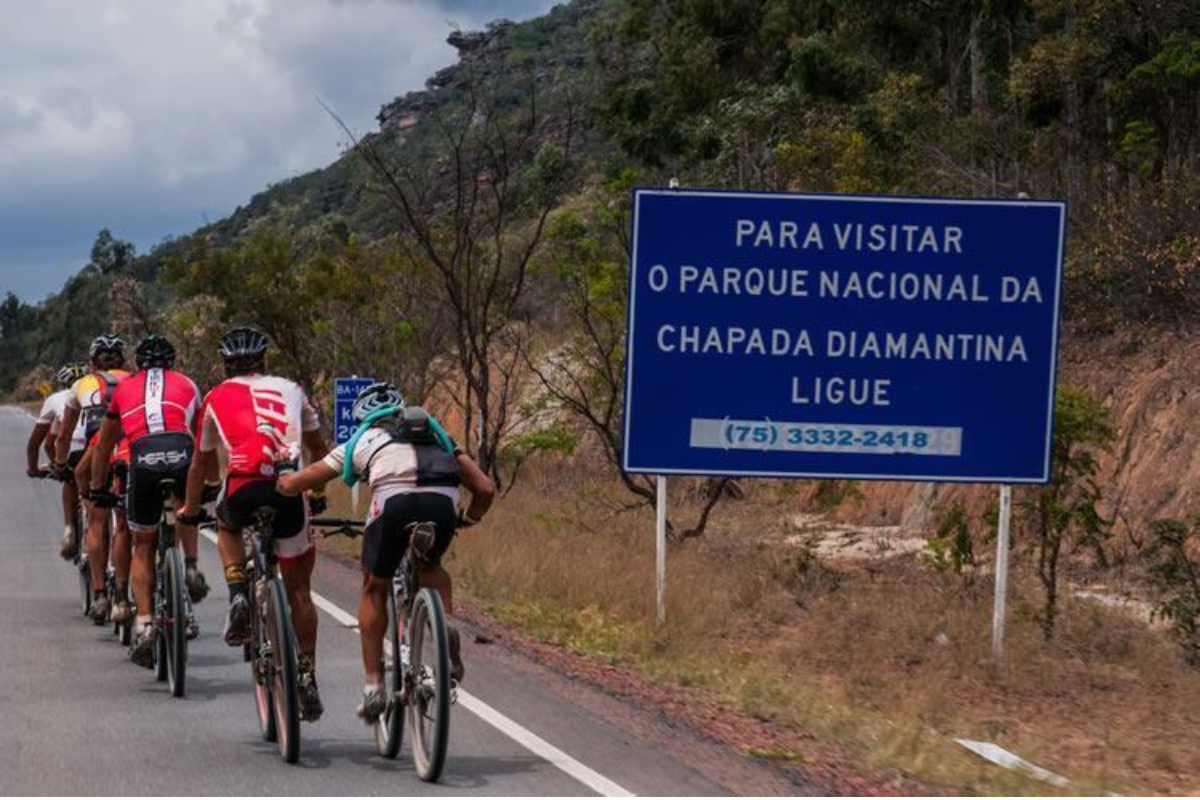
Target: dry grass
{"points": [[892, 662]]}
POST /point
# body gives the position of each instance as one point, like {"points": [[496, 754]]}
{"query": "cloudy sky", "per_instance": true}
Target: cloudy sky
{"points": [[149, 117]]}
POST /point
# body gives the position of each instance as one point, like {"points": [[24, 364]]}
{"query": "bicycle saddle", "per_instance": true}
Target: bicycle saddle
{"points": [[422, 536]]}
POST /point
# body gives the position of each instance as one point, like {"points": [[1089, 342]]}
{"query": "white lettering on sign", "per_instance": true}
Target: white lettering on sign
{"points": [[850, 237]]}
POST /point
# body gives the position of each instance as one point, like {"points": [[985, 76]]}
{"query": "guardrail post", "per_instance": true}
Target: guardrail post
{"points": [[1001, 598]]}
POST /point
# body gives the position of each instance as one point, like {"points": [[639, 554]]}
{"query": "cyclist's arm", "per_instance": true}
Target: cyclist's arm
{"points": [[314, 476], [62, 448], [203, 464], [50, 444], [110, 433], [39, 434], [482, 490]]}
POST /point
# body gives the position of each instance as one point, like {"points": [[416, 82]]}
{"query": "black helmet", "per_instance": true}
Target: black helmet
{"points": [[375, 397], [107, 350], [71, 373], [155, 351]]}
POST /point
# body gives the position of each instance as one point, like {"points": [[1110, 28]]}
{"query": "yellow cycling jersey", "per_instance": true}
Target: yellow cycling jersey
{"points": [[91, 390]]}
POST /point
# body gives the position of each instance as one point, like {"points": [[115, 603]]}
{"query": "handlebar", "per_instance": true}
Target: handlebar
{"points": [[344, 527], [47, 474], [201, 516]]}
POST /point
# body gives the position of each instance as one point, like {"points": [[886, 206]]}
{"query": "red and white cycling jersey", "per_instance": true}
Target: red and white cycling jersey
{"points": [[257, 418], [154, 401]]}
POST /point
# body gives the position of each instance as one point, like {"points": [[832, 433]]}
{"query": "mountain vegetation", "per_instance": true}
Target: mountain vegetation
{"points": [[476, 242]]}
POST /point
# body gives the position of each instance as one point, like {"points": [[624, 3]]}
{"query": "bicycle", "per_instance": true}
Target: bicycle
{"points": [[423, 687], [272, 651], [170, 601]]}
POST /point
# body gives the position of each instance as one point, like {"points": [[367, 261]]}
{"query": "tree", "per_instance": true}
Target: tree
{"points": [[1175, 573], [265, 281], [472, 192], [111, 256], [1063, 513], [588, 252]]}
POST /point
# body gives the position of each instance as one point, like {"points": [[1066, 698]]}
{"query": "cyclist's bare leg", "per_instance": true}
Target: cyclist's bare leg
{"points": [[372, 624], [97, 545], [143, 570], [70, 496], [231, 546], [297, 577], [438, 579], [122, 549], [188, 537]]}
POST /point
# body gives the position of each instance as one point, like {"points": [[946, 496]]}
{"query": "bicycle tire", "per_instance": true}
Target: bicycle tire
{"points": [[261, 671], [389, 728], [85, 578], [284, 690], [176, 623], [160, 632], [126, 629], [427, 629], [85, 587]]}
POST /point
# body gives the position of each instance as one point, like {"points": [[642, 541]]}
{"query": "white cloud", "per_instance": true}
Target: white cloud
{"points": [[124, 107]]}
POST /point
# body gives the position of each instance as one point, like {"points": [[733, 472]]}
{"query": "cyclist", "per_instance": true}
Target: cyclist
{"points": [[100, 505], [152, 413], [86, 406], [45, 432], [415, 472], [256, 416]]}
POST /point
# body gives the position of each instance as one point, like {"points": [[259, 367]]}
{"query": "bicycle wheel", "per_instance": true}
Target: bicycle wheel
{"points": [[85, 578], [160, 612], [85, 587], [429, 695], [126, 629], [284, 692], [261, 667], [175, 633], [389, 729]]}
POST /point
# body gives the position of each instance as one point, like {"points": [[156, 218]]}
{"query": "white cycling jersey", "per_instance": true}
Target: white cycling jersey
{"points": [[53, 408]]}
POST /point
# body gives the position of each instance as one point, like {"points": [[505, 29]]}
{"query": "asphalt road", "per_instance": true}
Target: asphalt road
{"points": [[76, 717]]}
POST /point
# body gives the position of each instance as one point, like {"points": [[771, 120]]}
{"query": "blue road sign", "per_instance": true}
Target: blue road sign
{"points": [[785, 335], [345, 392]]}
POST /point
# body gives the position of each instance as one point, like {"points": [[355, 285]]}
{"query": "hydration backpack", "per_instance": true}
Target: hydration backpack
{"points": [[437, 465], [93, 416]]}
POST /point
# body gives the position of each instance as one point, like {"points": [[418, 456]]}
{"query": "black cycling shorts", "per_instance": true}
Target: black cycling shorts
{"points": [[74, 457], [291, 515], [155, 459], [386, 538]]}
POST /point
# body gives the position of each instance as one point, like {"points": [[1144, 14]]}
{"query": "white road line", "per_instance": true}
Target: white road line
{"points": [[510, 728]]}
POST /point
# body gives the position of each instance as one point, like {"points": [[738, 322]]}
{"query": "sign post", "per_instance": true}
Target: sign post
{"points": [[842, 337], [1000, 601], [660, 549], [345, 392]]}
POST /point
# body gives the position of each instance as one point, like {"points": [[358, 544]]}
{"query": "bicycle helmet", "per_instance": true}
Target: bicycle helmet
{"points": [[244, 351], [243, 343], [155, 352], [107, 350], [71, 373], [375, 397]]}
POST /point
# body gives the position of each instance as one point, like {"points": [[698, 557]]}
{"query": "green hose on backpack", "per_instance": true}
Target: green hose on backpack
{"points": [[348, 475]]}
